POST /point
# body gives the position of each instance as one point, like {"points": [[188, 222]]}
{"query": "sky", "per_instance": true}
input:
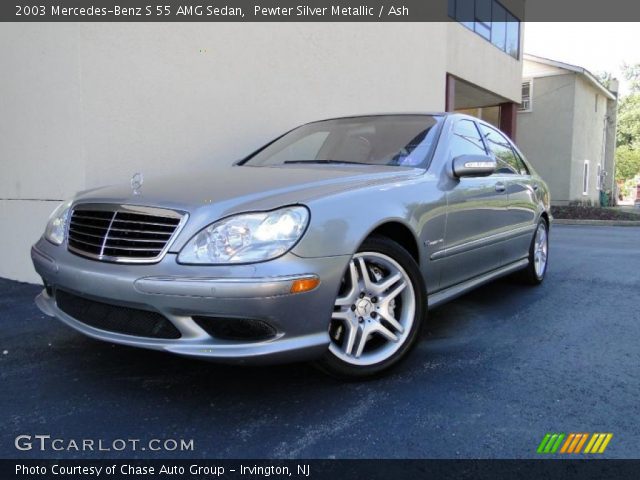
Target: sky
{"points": [[595, 46]]}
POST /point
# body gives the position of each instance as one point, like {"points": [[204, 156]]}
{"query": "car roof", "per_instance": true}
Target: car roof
{"points": [[444, 115], [396, 114], [388, 114]]}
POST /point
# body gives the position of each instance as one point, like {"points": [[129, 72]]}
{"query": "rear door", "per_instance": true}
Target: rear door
{"points": [[476, 213], [521, 195]]}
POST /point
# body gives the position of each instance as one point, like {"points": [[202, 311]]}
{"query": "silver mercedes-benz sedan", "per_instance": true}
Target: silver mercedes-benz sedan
{"points": [[330, 244]]}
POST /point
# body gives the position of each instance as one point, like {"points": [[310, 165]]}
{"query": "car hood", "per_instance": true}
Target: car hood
{"points": [[241, 187], [207, 196]]}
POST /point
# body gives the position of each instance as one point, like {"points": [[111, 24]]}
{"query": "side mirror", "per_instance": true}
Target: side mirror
{"points": [[473, 166]]}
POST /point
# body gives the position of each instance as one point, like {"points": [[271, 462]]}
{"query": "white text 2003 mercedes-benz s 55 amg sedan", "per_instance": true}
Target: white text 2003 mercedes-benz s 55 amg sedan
{"points": [[327, 244]]}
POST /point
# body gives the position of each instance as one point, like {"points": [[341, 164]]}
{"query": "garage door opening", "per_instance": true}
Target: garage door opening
{"points": [[465, 97]]}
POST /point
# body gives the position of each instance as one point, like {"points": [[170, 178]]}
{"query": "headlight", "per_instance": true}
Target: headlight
{"points": [[246, 238], [57, 224]]}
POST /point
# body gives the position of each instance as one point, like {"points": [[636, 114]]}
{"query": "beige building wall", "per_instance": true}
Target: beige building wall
{"points": [[588, 139], [572, 121], [610, 147], [85, 105], [471, 58], [545, 134], [535, 69]]}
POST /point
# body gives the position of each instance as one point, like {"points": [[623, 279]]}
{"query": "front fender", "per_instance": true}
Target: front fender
{"points": [[340, 223]]}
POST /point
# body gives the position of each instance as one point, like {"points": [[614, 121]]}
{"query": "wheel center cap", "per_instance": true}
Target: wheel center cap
{"points": [[364, 307]]}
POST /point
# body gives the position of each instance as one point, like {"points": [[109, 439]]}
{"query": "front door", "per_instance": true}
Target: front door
{"points": [[476, 215], [521, 192]]}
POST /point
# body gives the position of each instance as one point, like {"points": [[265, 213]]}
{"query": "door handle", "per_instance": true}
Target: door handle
{"points": [[500, 187], [535, 186]]}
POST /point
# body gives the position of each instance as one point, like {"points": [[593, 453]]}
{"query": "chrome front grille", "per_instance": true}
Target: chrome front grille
{"points": [[122, 233]]}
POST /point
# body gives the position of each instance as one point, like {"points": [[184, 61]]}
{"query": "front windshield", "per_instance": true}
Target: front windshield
{"points": [[397, 140]]}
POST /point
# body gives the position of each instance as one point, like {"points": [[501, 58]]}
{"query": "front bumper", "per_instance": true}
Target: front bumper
{"points": [[180, 292]]}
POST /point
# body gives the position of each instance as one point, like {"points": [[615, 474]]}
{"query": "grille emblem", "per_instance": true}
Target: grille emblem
{"points": [[136, 182]]}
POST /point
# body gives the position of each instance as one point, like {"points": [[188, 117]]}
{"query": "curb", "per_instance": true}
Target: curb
{"points": [[602, 223]]}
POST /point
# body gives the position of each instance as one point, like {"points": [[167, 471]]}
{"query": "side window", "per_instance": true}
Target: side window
{"points": [[524, 170], [508, 162], [466, 139]]}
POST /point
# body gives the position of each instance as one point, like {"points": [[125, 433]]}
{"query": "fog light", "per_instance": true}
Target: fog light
{"points": [[304, 284]]}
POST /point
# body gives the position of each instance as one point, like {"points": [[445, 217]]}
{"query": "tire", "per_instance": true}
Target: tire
{"points": [[533, 274], [369, 312]]}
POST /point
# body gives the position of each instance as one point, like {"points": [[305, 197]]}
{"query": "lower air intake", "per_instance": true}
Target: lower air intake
{"points": [[243, 329], [113, 318]]}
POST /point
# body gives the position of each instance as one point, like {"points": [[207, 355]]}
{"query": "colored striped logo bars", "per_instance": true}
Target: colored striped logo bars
{"points": [[574, 443]]}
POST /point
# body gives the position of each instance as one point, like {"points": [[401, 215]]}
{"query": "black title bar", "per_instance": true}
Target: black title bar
{"points": [[308, 10], [318, 469]]}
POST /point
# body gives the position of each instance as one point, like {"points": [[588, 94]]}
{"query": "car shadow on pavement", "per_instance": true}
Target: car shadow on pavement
{"points": [[493, 299]]}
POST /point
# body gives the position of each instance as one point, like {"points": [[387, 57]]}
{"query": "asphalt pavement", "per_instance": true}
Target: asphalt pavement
{"points": [[494, 372]]}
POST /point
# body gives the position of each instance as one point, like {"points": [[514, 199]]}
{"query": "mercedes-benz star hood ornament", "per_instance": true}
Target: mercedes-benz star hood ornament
{"points": [[136, 182]]}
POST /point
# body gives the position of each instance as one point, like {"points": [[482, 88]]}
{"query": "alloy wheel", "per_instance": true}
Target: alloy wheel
{"points": [[374, 311], [540, 250]]}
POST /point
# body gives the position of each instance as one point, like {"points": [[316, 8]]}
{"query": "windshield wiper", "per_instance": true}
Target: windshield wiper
{"points": [[325, 161]]}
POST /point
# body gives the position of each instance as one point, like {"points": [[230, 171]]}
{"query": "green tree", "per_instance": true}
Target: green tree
{"points": [[605, 78], [629, 121], [628, 134], [627, 163], [632, 74]]}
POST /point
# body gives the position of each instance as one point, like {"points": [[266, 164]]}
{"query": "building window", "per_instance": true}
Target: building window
{"points": [[585, 178], [525, 105], [491, 20], [482, 23], [599, 178], [513, 36], [499, 27]]}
